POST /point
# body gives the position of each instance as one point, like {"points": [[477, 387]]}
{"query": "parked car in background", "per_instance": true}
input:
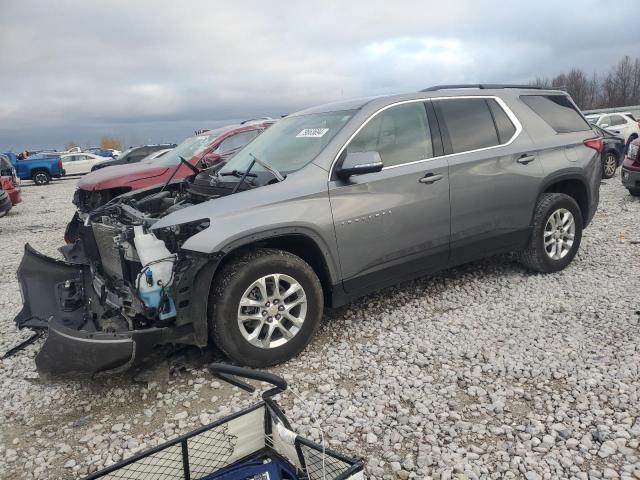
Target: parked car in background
{"points": [[9, 179], [40, 168], [201, 151], [327, 205], [5, 201], [79, 163], [613, 153], [631, 169], [104, 152], [156, 154], [622, 124], [133, 155]]}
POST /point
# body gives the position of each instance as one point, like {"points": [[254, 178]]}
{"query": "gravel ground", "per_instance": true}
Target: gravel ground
{"points": [[484, 371]]}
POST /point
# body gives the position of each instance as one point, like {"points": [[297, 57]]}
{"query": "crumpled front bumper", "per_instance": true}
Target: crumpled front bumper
{"points": [[58, 296]]}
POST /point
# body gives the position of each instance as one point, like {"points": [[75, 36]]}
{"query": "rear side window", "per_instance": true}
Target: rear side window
{"points": [[469, 123], [617, 120], [400, 134], [557, 111], [506, 128]]}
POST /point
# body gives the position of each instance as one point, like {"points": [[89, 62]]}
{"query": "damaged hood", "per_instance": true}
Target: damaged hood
{"points": [[243, 213], [120, 175]]}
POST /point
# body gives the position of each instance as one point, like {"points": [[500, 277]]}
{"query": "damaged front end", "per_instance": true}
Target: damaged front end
{"points": [[124, 291]]}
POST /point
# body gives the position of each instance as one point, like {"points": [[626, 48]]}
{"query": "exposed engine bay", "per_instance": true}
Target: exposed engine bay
{"points": [[123, 288]]}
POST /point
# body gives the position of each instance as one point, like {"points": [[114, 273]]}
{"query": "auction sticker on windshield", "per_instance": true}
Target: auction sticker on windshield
{"points": [[312, 132]]}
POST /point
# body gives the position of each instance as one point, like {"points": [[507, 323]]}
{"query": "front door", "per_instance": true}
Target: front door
{"points": [[393, 224]]}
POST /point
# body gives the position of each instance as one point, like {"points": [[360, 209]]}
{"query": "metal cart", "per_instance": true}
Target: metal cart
{"points": [[256, 443]]}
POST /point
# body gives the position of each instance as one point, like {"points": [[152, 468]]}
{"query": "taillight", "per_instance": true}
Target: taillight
{"points": [[595, 143], [60, 164]]}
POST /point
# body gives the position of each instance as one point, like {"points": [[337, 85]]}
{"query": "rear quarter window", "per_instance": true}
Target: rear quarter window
{"points": [[557, 111], [469, 123]]}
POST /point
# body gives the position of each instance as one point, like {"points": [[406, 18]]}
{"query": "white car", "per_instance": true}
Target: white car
{"points": [[621, 124], [79, 163]]}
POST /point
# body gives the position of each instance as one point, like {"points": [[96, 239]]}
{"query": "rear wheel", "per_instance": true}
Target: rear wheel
{"points": [[3, 213], [609, 165], [40, 177], [264, 307], [556, 235]]}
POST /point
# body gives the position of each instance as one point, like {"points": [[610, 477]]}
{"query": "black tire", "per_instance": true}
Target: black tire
{"points": [[4, 212], [40, 177], [534, 256], [609, 164], [230, 285], [635, 192]]}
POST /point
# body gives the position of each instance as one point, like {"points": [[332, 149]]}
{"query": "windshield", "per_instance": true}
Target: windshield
{"points": [[290, 143], [188, 149]]}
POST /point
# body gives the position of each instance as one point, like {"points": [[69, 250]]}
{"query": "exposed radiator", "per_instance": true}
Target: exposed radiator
{"points": [[109, 252]]}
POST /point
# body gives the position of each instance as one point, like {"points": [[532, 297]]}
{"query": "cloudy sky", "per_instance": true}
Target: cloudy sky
{"points": [[152, 71]]}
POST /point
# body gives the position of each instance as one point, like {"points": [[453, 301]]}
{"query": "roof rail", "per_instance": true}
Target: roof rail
{"points": [[481, 86]]}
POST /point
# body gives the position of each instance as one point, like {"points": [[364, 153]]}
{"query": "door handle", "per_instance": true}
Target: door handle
{"points": [[430, 178], [525, 159]]}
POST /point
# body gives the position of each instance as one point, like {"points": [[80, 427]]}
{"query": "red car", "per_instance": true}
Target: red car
{"points": [[10, 194], [203, 150]]}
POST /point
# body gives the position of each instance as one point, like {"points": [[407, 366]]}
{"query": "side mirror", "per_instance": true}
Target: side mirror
{"points": [[359, 163]]}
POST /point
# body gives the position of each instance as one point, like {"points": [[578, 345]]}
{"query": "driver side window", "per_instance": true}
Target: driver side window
{"points": [[400, 134]]}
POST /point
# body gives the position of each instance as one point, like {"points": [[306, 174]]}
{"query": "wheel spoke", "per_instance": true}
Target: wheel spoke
{"points": [[293, 319], [267, 339], [262, 286], [249, 302], [294, 303], [293, 288], [285, 333]]}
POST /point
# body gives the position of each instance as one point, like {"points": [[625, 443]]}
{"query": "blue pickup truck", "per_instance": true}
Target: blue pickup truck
{"points": [[40, 167]]}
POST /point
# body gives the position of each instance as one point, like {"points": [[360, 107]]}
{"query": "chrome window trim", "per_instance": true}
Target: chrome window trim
{"points": [[500, 102]]}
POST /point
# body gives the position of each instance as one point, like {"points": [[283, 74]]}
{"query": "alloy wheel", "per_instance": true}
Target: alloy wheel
{"points": [[272, 310], [41, 178], [559, 233], [610, 165]]}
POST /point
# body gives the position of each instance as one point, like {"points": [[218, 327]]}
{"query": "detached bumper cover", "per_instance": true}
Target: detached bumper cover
{"points": [[56, 296]]}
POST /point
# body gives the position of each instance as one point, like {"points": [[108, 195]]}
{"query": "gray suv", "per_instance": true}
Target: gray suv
{"points": [[329, 204]]}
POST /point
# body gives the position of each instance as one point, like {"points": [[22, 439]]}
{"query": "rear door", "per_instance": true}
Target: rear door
{"points": [[393, 224], [494, 175]]}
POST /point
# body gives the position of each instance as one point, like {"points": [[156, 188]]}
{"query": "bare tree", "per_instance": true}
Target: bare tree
{"points": [[71, 145], [618, 87], [110, 142]]}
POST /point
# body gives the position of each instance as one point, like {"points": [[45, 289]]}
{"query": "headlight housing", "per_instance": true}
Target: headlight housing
{"points": [[175, 235]]}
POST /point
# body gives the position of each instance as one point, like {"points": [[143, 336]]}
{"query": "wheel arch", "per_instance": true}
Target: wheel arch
{"points": [[572, 184], [299, 241]]}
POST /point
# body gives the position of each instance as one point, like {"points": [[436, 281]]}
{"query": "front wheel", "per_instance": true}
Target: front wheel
{"points": [[556, 234], [41, 177], [609, 165], [264, 307]]}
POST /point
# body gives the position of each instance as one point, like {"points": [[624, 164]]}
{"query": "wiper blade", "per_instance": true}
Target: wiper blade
{"points": [[268, 167], [191, 167], [237, 173]]}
